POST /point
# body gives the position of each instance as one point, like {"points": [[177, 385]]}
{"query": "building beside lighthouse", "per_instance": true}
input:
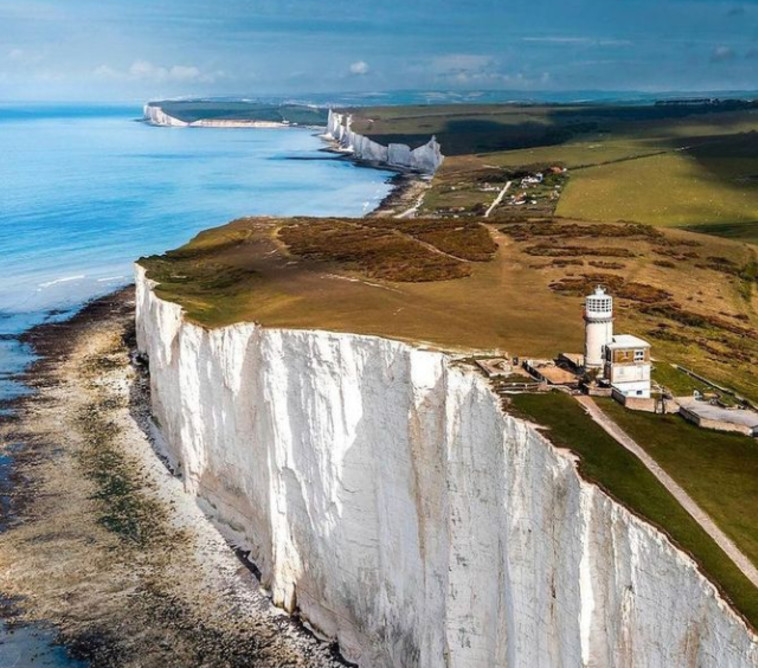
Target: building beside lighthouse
{"points": [[627, 365], [622, 360]]}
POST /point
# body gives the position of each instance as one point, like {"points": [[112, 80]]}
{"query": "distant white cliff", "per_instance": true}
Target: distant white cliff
{"points": [[383, 492], [425, 159], [155, 115]]}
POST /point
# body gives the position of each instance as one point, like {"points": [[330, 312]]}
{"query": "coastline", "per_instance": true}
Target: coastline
{"points": [[102, 541], [32, 454], [408, 185], [406, 194]]}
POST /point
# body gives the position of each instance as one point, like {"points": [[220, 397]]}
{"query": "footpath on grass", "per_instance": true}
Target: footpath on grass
{"points": [[697, 513]]}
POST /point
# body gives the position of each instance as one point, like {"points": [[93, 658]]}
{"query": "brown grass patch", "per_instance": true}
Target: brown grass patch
{"points": [[526, 231], [676, 313], [375, 252], [666, 264], [582, 285], [547, 249], [465, 239], [600, 264], [566, 262], [675, 253]]}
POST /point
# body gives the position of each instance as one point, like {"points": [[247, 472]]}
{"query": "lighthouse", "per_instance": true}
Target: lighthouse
{"points": [[598, 322]]}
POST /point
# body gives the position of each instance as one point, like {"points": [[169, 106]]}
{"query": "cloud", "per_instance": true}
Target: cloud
{"points": [[479, 70], [23, 57], [359, 68], [722, 54], [145, 71], [460, 63], [463, 68]]}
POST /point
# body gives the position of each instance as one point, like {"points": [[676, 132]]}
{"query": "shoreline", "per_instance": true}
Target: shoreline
{"points": [[26, 455], [100, 565], [407, 186]]}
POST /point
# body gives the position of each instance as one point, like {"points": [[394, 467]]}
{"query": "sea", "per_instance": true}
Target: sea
{"points": [[86, 190]]}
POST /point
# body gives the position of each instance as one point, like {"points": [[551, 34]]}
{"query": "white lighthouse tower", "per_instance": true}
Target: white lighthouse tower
{"points": [[598, 319]]}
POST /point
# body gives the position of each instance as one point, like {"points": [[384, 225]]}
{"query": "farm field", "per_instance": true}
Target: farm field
{"points": [[690, 166], [706, 185]]}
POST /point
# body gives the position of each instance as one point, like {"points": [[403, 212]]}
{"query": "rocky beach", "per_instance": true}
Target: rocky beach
{"points": [[100, 541]]}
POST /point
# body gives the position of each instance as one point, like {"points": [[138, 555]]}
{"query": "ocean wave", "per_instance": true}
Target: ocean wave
{"points": [[65, 279]]}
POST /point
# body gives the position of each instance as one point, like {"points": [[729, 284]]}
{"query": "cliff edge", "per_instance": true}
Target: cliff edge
{"points": [[425, 159], [383, 492]]}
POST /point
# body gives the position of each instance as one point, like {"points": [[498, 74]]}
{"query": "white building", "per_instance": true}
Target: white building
{"points": [[598, 331], [627, 365], [624, 359]]}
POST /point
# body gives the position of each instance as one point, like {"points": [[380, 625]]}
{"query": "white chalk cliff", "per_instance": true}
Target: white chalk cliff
{"points": [[154, 115], [383, 492], [425, 159]]}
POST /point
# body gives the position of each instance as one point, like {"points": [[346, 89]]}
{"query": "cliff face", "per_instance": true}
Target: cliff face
{"points": [[156, 116], [425, 159], [383, 492]]}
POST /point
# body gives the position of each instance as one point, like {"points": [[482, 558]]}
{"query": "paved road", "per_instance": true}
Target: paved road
{"points": [[700, 516], [498, 199]]}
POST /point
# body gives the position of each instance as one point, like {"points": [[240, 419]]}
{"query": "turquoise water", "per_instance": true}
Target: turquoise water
{"points": [[86, 190]]}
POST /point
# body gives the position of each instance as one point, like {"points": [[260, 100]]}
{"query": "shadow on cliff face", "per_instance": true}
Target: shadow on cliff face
{"points": [[250, 646], [356, 513]]}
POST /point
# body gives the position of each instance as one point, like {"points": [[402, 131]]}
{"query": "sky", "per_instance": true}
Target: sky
{"points": [[128, 50]]}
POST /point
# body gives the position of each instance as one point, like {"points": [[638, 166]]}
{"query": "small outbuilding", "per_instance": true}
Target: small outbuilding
{"points": [[712, 416]]}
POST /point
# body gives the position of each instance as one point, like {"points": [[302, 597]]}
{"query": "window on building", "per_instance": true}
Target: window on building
{"points": [[639, 355]]}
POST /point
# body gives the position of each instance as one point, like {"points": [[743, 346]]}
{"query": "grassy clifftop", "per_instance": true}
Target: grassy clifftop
{"points": [[718, 470], [471, 284], [190, 111]]}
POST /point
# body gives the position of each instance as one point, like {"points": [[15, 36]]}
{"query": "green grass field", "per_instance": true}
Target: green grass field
{"points": [[719, 471], [697, 187], [604, 461], [677, 382], [692, 166]]}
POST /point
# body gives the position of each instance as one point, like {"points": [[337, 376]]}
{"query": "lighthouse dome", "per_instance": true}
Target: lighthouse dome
{"points": [[598, 305]]}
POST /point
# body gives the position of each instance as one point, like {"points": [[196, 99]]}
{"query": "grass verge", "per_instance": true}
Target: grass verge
{"points": [[718, 470], [606, 462]]}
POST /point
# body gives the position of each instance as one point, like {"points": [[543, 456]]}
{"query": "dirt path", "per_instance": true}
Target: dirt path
{"points": [[687, 502], [103, 543], [412, 211]]}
